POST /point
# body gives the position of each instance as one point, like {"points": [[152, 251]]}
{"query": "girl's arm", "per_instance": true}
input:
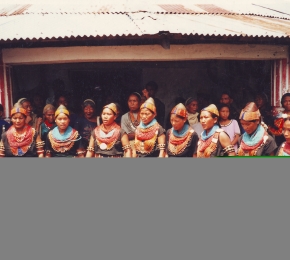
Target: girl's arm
{"points": [[2, 149], [161, 145], [90, 149], [39, 146], [226, 144], [126, 146], [235, 140]]}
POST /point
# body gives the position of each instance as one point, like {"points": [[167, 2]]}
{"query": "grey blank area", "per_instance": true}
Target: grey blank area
{"points": [[144, 209]]}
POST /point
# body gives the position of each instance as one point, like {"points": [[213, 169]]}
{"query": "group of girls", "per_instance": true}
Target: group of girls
{"points": [[139, 134]]}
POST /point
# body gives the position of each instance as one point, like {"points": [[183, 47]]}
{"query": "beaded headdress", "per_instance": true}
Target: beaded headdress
{"points": [[113, 107], [211, 108], [48, 107], [149, 104], [18, 109], [250, 115], [61, 109], [179, 110]]}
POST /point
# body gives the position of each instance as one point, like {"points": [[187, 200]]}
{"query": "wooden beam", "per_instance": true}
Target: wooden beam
{"points": [[143, 53]]}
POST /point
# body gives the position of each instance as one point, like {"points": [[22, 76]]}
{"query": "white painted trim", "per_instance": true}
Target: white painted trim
{"points": [[274, 81], [287, 78], [11, 88], [7, 109], [280, 78], [143, 53]]}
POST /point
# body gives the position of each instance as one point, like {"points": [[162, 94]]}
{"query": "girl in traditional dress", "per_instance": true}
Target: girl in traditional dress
{"points": [[149, 135], [255, 141], [131, 120], [48, 121], [63, 140], [86, 123], [284, 149], [20, 140], [108, 139], [181, 139], [213, 141], [230, 126]]}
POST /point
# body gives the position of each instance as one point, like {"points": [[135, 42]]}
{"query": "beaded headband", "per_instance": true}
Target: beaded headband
{"points": [[179, 110], [149, 104], [61, 109], [18, 110], [249, 116], [211, 108], [113, 107]]}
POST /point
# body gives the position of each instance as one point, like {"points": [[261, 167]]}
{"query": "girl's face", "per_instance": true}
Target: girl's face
{"points": [[286, 103], [108, 116], [192, 107], [27, 105], [249, 127], [18, 120], [206, 120], [146, 116], [89, 111], [224, 113], [177, 122], [133, 103], [49, 116], [62, 121], [286, 131]]}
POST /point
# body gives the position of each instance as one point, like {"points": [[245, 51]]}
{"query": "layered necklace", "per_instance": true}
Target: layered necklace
{"points": [[179, 141], [208, 142], [106, 138], [63, 142], [146, 136], [20, 143], [250, 144], [135, 121]]}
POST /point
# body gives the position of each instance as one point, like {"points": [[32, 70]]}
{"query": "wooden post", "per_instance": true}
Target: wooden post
{"points": [[5, 87]]}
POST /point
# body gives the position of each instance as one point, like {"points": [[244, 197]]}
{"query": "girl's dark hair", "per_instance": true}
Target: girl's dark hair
{"points": [[283, 97], [220, 106]]}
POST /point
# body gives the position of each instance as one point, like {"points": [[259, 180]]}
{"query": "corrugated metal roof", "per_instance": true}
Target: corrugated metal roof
{"points": [[188, 7], [54, 21]]}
